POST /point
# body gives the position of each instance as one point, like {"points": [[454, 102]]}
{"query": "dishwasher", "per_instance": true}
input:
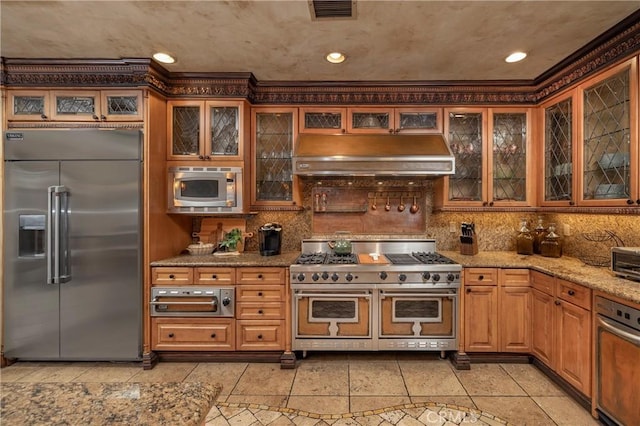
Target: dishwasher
{"points": [[617, 363]]}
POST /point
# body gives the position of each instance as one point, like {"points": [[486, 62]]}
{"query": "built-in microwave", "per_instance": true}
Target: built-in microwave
{"points": [[195, 189]]}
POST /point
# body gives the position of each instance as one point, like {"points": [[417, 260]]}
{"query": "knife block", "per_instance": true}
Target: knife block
{"points": [[469, 248]]}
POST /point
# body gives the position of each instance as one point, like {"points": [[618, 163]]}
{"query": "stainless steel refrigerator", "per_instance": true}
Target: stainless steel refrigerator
{"points": [[72, 244]]}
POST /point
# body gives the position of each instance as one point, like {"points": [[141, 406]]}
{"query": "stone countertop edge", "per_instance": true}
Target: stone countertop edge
{"points": [[130, 403], [566, 268]]}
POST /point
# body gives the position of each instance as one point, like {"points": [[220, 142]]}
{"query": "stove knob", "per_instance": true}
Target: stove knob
{"points": [[349, 277], [383, 275], [402, 277], [334, 277], [426, 276], [301, 277], [226, 301], [436, 277], [315, 276], [325, 276], [450, 277]]}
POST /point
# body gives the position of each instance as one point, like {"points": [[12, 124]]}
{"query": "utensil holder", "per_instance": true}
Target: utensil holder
{"points": [[469, 246]]}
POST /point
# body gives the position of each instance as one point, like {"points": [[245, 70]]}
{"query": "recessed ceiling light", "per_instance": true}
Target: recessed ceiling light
{"points": [[515, 57], [336, 57], [165, 58]]}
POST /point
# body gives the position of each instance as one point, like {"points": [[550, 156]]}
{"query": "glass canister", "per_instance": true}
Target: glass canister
{"points": [[539, 233], [551, 246], [524, 240]]}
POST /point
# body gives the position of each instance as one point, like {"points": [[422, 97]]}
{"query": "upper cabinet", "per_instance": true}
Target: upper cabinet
{"points": [[491, 147], [608, 148], [75, 105], [206, 130], [273, 133], [559, 134], [370, 120]]}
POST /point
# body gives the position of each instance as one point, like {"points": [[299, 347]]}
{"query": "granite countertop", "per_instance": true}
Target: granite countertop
{"points": [[568, 268], [250, 258], [184, 403]]}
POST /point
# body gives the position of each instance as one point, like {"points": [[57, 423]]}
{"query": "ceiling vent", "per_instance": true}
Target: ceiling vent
{"points": [[332, 9]]}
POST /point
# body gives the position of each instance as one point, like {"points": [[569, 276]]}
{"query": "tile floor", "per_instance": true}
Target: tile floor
{"points": [[329, 385]]}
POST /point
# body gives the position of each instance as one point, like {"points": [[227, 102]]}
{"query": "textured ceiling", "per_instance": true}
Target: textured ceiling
{"points": [[278, 40]]}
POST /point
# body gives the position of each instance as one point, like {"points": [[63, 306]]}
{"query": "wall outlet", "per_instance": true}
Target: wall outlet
{"points": [[453, 228], [566, 230]]}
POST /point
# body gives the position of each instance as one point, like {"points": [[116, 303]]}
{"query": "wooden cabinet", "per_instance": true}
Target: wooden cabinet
{"points": [[561, 322], [273, 134], [193, 334], [260, 308], [75, 105], [207, 129], [493, 160], [497, 310], [608, 150], [325, 120]]}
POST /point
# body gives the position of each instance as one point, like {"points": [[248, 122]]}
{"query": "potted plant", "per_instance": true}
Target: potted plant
{"points": [[232, 240]]}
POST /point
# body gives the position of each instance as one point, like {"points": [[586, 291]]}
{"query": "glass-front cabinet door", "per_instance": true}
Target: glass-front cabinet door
{"points": [[370, 120], [28, 105], [465, 131], [273, 135], [206, 130], [418, 120], [509, 144], [558, 124], [609, 154], [323, 120]]}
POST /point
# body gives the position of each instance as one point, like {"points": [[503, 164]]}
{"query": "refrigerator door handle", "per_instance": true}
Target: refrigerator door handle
{"points": [[58, 259]]}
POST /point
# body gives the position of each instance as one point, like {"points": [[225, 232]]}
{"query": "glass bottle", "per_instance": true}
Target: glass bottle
{"points": [[524, 240], [538, 235], [551, 246]]}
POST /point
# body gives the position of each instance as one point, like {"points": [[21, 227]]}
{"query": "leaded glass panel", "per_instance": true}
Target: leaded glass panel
{"points": [[607, 139], [274, 145], [75, 105], [465, 140], [370, 120], [28, 105], [224, 130], [186, 130], [122, 105], [322, 120], [418, 120], [558, 151], [509, 156]]}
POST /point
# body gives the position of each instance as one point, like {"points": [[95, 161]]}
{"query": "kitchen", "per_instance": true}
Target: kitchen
{"points": [[349, 201]]}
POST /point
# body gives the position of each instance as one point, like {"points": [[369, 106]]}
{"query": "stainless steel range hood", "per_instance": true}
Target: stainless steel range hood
{"points": [[372, 155]]}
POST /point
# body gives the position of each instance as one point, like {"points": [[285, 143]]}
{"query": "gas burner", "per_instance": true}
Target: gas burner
{"points": [[432, 258], [311, 258], [342, 259]]}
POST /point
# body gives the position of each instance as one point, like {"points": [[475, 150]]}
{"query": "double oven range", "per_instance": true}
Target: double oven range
{"points": [[386, 295]]}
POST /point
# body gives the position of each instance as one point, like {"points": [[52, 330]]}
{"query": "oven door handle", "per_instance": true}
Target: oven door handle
{"points": [[619, 330], [333, 295], [155, 302], [418, 294]]}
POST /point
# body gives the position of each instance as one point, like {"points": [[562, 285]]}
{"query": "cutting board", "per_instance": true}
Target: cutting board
{"points": [[365, 259]]}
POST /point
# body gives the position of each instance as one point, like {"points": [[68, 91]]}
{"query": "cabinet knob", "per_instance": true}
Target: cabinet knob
{"points": [[214, 277], [629, 202], [213, 335], [468, 290], [201, 157], [490, 203], [344, 130], [481, 277], [171, 334], [95, 117], [572, 203], [43, 116], [557, 302], [638, 201], [103, 118], [206, 157], [260, 276], [260, 336], [260, 293], [171, 276], [484, 204], [260, 311], [571, 293]]}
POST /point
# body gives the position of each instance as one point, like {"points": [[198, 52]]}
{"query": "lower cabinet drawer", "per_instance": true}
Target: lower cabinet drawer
{"points": [[257, 310], [193, 334], [260, 335], [171, 275]]}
